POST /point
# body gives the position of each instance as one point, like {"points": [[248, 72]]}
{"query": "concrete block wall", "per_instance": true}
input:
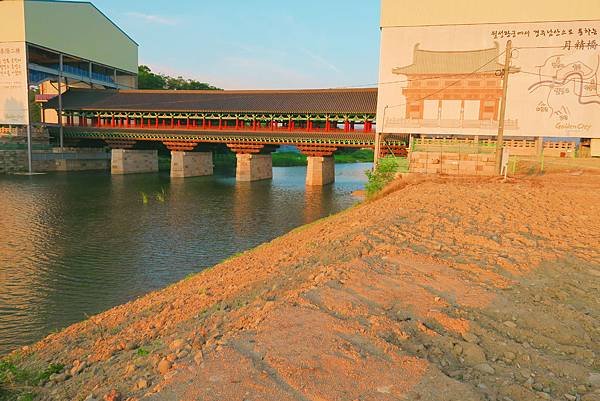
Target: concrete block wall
{"points": [[522, 148], [15, 135], [13, 161], [595, 148], [559, 149], [81, 165], [452, 163]]}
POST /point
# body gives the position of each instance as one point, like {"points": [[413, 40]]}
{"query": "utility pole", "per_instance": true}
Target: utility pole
{"points": [[61, 141], [378, 137], [28, 112], [500, 138]]}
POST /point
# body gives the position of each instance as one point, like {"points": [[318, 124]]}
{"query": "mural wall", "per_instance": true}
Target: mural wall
{"points": [[13, 84], [448, 79]]}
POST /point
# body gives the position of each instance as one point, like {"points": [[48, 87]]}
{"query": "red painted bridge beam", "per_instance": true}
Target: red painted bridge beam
{"points": [[308, 125]]}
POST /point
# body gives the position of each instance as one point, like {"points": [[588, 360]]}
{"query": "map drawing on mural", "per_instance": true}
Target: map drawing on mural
{"points": [[563, 82]]}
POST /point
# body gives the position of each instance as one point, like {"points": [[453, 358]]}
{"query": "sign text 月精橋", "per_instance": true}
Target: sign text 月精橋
{"points": [[447, 79], [13, 84]]}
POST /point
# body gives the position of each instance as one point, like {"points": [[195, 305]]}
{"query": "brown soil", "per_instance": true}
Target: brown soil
{"points": [[443, 289]]}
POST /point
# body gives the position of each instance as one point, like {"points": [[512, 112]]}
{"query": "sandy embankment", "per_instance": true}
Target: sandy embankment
{"points": [[447, 289]]}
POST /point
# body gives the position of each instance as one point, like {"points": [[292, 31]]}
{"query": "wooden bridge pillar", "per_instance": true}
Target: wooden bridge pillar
{"points": [[129, 161], [320, 170], [191, 164]]}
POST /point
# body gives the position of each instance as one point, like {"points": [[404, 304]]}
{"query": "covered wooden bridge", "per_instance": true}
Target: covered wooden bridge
{"points": [[250, 123]]}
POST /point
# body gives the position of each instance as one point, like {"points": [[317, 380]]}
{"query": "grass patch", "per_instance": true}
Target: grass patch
{"points": [[16, 383], [289, 159], [190, 276], [356, 156], [161, 196], [235, 255], [142, 352]]}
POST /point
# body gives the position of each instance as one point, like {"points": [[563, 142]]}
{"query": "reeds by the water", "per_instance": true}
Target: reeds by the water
{"points": [[160, 196]]}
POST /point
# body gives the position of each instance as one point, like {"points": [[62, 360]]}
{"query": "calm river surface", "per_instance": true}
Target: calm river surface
{"points": [[77, 244]]}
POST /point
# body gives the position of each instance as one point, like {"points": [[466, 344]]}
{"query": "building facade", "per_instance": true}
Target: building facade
{"points": [[442, 68], [56, 45]]}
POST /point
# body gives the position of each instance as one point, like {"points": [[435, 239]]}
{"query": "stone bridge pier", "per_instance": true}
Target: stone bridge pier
{"points": [[254, 162], [185, 162], [321, 165], [126, 160], [191, 164], [253, 167], [320, 170]]}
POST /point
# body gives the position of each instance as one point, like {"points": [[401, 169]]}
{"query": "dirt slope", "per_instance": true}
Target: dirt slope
{"points": [[447, 289]]}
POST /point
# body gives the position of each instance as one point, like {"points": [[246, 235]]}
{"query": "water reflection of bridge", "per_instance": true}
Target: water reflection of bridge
{"points": [[250, 123]]}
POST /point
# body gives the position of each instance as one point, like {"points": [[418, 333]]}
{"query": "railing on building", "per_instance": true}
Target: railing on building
{"points": [[453, 145], [450, 123], [15, 138], [22, 132], [521, 147], [76, 71]]}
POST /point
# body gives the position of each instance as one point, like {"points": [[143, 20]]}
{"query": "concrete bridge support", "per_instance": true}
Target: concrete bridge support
{"points": [[129, 161], [254, 167], [191, 164], [320, 171]]}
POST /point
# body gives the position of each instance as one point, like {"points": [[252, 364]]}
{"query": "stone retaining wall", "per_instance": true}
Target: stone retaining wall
{"points": [[15, 161], [452, 163]]}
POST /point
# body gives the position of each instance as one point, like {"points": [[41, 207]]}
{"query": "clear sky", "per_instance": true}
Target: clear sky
{"points": [[262, 44]]}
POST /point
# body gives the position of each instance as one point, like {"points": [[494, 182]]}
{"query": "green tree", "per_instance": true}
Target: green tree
{"points": [[35, 113], [383, 175], [150, 80]]}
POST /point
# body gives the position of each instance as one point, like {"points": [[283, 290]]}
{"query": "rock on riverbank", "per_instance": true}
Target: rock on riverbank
{"points": [[445, 289]]}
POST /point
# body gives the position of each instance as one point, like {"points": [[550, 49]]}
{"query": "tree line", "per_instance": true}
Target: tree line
{"points": [[150, 80]]}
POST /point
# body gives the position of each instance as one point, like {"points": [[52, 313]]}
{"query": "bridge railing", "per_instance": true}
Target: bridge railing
{"points": [[191, 126]]}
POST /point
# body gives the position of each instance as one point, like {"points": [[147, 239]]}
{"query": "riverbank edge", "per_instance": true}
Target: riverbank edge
{"points": [[37, 375], [361, 200], [325, 226]]}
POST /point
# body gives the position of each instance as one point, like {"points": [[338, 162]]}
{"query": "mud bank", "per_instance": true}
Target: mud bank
{"points": [[445, 289]]}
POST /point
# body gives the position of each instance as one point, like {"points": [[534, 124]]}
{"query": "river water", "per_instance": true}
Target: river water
{"points": [[77, 244]]}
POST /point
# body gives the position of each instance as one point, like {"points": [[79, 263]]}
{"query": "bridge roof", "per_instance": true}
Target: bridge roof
{"points": [[255, 101]]}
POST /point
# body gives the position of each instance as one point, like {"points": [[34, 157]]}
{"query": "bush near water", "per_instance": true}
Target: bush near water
{"points": [[385, 172]]}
